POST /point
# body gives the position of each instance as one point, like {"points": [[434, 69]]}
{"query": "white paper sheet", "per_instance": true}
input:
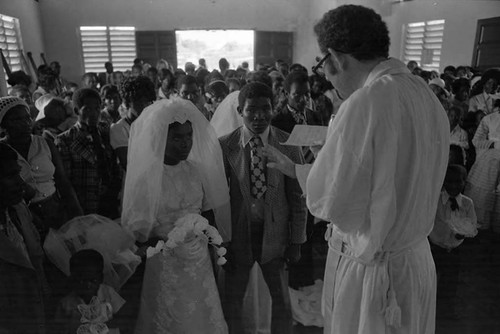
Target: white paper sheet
{"points": [[307, 135]]}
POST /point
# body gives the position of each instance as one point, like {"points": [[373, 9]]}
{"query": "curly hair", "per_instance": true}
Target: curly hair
{"points": [[135, 88], [82, 94], [298, 77], [254, 90], [354, 30]]}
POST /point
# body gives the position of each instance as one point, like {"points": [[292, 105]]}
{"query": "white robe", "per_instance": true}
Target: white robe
{"points": [[377, 179]]}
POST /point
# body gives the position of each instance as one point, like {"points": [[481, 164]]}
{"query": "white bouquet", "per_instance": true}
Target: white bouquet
{"points": [[186, 228]]}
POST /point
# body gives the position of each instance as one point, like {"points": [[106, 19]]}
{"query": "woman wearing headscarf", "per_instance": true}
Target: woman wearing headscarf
{"points": [[175, 169], [41, 167]]}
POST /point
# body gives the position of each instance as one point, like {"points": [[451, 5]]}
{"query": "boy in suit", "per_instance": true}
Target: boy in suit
{"points": [[267, 209]]}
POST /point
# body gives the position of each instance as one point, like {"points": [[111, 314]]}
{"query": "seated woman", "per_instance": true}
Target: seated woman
{"points": [[22, 279], [53, 200], [175, 169], [482, 99], [483, 181]]}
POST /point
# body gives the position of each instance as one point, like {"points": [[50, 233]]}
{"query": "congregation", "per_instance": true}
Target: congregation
{"points": [[156, 149]]}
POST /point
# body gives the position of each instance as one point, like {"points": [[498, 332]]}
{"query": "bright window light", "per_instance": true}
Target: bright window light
{"points": [[234, 45]]}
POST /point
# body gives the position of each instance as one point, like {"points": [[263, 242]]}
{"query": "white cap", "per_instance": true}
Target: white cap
{"points": [[438, 82], [41, 103]]}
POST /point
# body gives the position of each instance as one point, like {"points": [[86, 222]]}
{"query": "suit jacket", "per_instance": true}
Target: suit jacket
{"points": [[22, 280], [284, 212]]}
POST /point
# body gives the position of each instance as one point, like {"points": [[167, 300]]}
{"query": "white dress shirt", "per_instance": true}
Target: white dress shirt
{"points": [[449, 223]]}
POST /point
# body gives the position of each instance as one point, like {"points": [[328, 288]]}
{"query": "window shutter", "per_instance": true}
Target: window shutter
{"points": [[95, 48], [102, 44], [122, 43], [10, 41], [423, 42]]}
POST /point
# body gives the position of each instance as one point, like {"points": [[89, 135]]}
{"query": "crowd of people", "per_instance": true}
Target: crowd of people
{"points": [[155, 146]]}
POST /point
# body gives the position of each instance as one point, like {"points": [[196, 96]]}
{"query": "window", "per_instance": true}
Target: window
{"points": [[10, 41], [423, 42], [102, 44], [234, 45]]}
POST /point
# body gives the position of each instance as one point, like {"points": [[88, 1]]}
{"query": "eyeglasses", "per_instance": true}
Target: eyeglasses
{"points": [[320, 63]]}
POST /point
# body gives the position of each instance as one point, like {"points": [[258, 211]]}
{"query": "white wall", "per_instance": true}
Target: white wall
{"points": [[460, 24], [62, 18], [306, 47], [28, 13]]}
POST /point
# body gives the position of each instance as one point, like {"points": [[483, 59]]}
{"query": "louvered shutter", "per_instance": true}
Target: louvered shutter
{"points": [[102, 44], [423, 42], [10, 41], [122, 44]]}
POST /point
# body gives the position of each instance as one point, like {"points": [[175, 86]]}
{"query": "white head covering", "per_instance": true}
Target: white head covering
{"points": [[226, 119], [41, 103], [146, 151], [438, 82]]}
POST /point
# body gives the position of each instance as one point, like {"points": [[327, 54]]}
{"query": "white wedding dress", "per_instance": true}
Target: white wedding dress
{"points": [[179, 293]]}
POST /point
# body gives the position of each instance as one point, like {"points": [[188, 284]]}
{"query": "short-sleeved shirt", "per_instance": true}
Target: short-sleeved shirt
{"points": [[119, 133]]}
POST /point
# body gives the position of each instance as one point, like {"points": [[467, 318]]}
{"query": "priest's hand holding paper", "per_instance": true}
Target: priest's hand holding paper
{"points": [[279, 161], [316, 148]]}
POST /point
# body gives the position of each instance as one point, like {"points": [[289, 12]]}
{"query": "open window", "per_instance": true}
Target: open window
{"points": [[236, 46]]}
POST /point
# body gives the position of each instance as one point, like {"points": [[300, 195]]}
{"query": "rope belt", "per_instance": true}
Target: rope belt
{"points": [[390, 309]]}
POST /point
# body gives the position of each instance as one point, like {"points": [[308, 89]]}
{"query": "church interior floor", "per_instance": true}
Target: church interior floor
{"points": [[477, 304]]}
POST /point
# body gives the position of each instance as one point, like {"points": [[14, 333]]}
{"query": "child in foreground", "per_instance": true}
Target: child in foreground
{"points": [[91, 305], [455, 220]]}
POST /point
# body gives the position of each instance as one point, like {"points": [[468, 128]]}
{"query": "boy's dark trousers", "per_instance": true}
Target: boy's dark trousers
{"points": [[447, 269]]}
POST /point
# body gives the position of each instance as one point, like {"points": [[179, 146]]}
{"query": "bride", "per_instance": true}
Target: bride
{"points": [[175, 168]]}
